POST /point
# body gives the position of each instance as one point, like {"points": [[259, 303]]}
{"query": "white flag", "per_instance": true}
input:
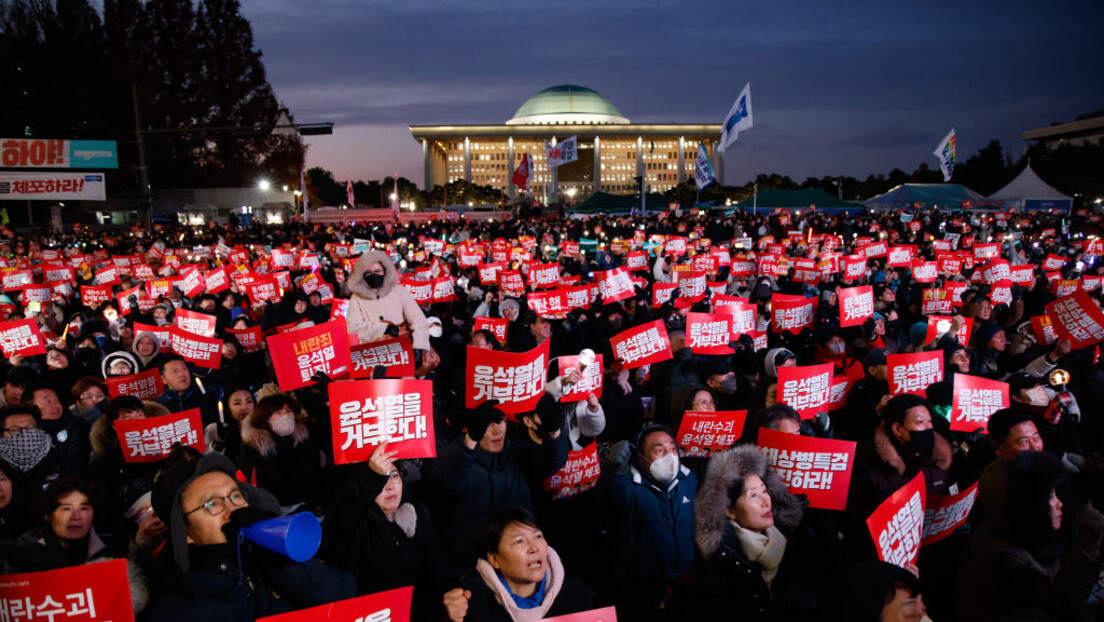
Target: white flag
{"points": [[565, 151], [703, 170], [738, 119], [946, 154]]}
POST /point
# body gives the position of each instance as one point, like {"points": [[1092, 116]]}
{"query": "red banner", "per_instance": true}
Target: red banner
{"points": [[940, 325], [551, 304], [703, 432], [709, 333], [1077, 317], [150, 440], [146, 385], [792, 313], [162, 332], [661, 293], [856, 304], [396, 354], [515, 379], [390, 606], [544, 275], [511, 283], [497, 325], [590, 382], [975, 400], [250, 339], [1044, 330], [93, 295], [819, 468], [642, 345], [300, 354], [944, 514], [99, 591], [579, 474], [195, 322], [263, 289], [806, 389], [203, 351], [367, 413], [21, 337], [898, 522], [614, 285], [914, 373]]}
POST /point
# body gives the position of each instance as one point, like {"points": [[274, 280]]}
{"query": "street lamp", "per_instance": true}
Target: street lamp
{"points": [[264, 184]]}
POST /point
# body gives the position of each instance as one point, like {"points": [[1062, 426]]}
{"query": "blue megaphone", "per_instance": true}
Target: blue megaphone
{"points": [[296, 536]]}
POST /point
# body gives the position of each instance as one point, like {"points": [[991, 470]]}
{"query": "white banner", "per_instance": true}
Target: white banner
{"points": [[60, 186], [738, 118], [565, 151]]}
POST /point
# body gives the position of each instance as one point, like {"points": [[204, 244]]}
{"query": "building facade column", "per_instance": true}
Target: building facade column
{"points": [[467, 160], [554, 176], [427, 166], [511, 190], [597, 185], [640, 172], [682, 160], [718, 166]]}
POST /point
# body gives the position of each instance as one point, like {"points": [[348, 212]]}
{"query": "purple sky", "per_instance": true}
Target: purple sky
{"points": [[847, 88]]}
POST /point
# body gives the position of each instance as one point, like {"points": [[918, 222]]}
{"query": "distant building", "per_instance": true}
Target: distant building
{"points": [[1088, 128], [612, 150]]}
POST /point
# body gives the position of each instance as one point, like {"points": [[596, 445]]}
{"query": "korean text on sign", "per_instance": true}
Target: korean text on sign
{"points": [[642, 345], [817, 468], [83, 593], [806, 388], [150, 440], [944, 514], [579, 474], [397, 355], [701, 433], [914, 373], [516, 380], [975, 400], [898, 522], [367, 413]]}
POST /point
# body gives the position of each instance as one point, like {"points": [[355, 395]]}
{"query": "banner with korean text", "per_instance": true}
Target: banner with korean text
{"points": [[299, 354], [614, 285], [579, 474], [499, 327], [396, 354], [146, 385], [709, 333], [150, 440], [945, 513], [975, 400], [1077, 318], [589, 382], [515, 379], [389, 606], [196, 322], [914, 373], [642, 345], [59, 186], [897, 524], [703, 432], [367, 413], [819, 468], [93, 592], [21, 337], [807, 389], [791, 313], [856, 304], [202, 351]]}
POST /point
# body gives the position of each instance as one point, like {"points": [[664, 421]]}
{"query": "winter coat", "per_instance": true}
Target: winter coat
{"points": [[383, 554], [70, 435], [724, 580], [371, 311], [569, 594], [882, 466], [206, 400], [288, 467]]}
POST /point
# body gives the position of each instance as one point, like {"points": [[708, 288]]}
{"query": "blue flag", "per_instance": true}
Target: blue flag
{"points": [[738, 119], [703, 169]]}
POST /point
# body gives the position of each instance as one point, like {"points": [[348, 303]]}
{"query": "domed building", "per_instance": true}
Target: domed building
{"points": [[612, 150]]}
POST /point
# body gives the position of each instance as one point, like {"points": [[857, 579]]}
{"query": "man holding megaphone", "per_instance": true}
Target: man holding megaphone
{"points": [[230, 556]]}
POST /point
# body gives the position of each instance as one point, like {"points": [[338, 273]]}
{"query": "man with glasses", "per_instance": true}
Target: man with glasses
{"points": [[213, 576], [27, 450]]}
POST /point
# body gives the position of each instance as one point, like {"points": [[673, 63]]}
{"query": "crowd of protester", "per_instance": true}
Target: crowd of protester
{"points": [[662, 535]]}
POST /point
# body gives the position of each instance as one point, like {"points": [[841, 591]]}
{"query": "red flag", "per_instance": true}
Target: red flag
{"points": [[521, 173], [98, 591], [515, 379], [898, 522], [390, 606], [642, 345], [806, 389], [367, 413], [819, 468], [944, 514], [914, 373], [349, 193], [299, 354], [579, 474], [975, 400], [396, 354], [703, 432]]}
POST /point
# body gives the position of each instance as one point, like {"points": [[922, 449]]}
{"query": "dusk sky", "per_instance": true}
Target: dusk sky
{"points": [[847, 88]]}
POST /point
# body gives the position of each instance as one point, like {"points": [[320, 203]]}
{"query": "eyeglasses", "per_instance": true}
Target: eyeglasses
{"points": [[17, 429], [217, 505]]}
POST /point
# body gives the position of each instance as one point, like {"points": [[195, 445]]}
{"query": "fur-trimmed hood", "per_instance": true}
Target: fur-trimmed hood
{"points": [[102, 437], [359, 287], [711, 505], [942, 452], [263, 440]]}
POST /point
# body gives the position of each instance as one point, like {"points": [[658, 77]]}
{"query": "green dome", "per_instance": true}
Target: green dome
{"points": [[567, 104]]}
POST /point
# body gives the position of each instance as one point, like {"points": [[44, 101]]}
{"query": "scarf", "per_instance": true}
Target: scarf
{"points": [[553, 582], [765, 549]]}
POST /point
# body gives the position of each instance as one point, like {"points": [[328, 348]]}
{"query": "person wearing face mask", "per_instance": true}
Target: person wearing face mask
{"points": [[27, 449], [866, 399], [729, 390], [745, 523], [277, 451], [652, 497]]}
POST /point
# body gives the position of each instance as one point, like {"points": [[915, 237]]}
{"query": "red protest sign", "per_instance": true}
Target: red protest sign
{"points": [[191, 282], [837, 394], [150, 440], [21, 337], [703, 432], [146, 385], [390, 606], [661, 293], [340, 308], [515, 379], [938, 326], [636, 261], [396, 354], [93, 295], [709, 333], [263, 289], [856, 304], [614, 285], [898, 522], [1054, 262], [550, 304], [743, 314], [791, 313], [37, 293], [975, 400], [807, 389], [298, 355], [590, 381], [544, 275], [1043, 328], [692, 286], [642, 345], [499, 326], [819, 468], [579, 474], [162, 332], [250, 339], [914, 373], [195, 322], [936, 302], [511, 283], [924, 271], [901, 256], [203, 351], [217, 280], [99, 591], [854, 267], [1077, 317], [367, 413], [488, 273], [944, 514]]}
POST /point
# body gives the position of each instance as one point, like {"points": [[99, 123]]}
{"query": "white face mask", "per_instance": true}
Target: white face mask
{"points": [[282, 425], [1037, 396], [666, 468], [435, 330]]}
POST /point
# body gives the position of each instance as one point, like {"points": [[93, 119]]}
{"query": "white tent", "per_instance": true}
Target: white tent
{"points": [[1029, 192]]}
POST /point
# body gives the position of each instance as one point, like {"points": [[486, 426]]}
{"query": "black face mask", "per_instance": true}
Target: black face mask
{"points": [[375, 281], [923, 441]]}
